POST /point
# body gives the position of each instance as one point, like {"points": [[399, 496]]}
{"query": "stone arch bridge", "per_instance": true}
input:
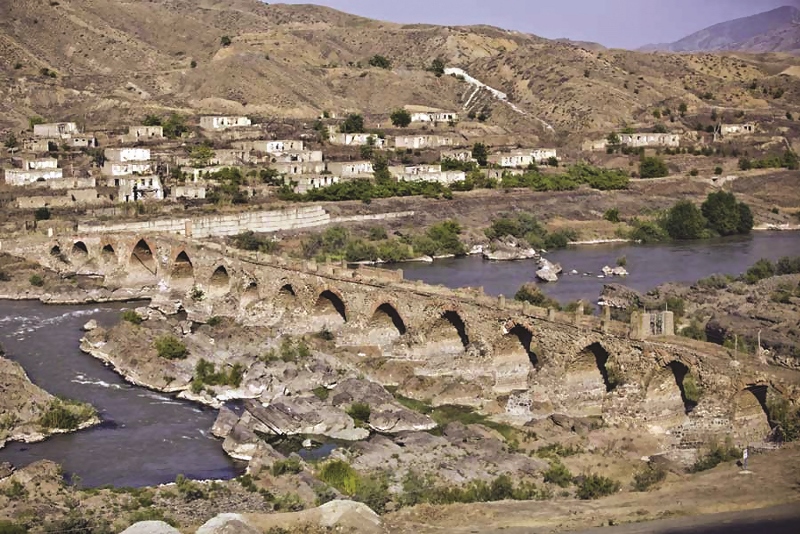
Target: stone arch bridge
{"points": [[534, 361]]}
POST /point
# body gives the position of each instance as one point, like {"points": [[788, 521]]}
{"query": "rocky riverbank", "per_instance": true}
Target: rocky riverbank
{"points": [[30, 414]]}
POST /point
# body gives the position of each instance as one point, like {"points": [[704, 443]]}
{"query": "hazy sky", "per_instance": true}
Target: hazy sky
{"points": [[613, 23]]}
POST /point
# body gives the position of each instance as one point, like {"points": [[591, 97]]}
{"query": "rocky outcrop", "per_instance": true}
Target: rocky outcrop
{"points": [[615, 271], [227, 524], [335, 516], [151, 527], [548, 271], [386, 414], [508, 249], [621, 297]]}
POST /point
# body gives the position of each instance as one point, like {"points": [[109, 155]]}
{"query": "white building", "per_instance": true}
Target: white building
{"points": [[417, 142], [125, 155], [301, 156], [28, 176], [271, 146], [295, 168], [348, 169], [463, 156], [356, 139], [143, 133], [135, 188], [524, 157], [61, 130], [303, 184], [111, 168], [427, 173], [196, 191], [216, 122], [737, 129]]}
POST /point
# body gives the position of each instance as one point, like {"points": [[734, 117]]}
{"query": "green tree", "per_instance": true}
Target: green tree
{"points": [[725, 215], [11, 141], [652, 167], [201, 155], [683, 108], [170, 348], [175, 126], [437, 67], [225, 40], [481, 154], [33, 121], [657, 113], [660, 128], [380, 62], [401, 118], [684, 221], [152, 120], [380, 169], [745, 164], [354, 123], [613, 139], [790, 160]]}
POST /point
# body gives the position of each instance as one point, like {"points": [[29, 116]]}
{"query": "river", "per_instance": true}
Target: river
{"points": [[146, 438], [648, 265]]}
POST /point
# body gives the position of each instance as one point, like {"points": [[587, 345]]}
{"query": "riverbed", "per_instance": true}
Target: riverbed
{"points": [[146, 437], [648, 265]]}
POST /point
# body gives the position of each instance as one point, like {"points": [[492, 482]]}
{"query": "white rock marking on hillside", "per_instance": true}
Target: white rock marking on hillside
{"points": [[499, 95]]}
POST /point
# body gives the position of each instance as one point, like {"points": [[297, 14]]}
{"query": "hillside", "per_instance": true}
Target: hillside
{"points": [[777, 30], [110, 61]]}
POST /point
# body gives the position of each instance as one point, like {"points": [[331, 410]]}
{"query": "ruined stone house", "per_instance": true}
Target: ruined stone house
{"points": [[421, 114], [143, 133], [271, 146], [418, 142], [737, 129], [427, 173], [304, 183], [637, 140], [356, 139], [135, 188], [297, 168], [523, 157], [463, 156], [217, 122], [350, 169], [33, 170], [56, 130], [302, 156], [189, 190]]}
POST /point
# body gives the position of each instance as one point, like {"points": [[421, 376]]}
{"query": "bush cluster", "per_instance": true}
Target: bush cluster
{"points": [[63, 414], [249, 240], [716, 455], [788, 160], [596, 486], [132, 317], [764, 269], [525, 226], [205, 374], [170, 348], [648, 477]]}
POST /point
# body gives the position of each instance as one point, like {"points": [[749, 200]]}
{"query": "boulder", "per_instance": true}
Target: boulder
{"points": [[335, 516], [91, 325], [227, 524], [151, 527], [548, 271], [226, 420]]}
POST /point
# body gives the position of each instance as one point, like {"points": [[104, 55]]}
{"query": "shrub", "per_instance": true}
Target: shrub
{"points": [[437, 67], [380, 62], [15, 490], [7, 527], [36, 280], [4, 276], [190, 491], [596, 486], [652, 167], [648, 477], [41, 214], [558, 474], [132, 317], [761, 270], [691, 389], [612, 215], [225, 40], [340, 475], [716, 455], [353, 123], [717, 171], [170, 348], [66, 415], [532, 294], [694, 331], [648, 232], [725, 215], [288, 466], [360, 412], [694, 172], [684, 221], [214, 321]]}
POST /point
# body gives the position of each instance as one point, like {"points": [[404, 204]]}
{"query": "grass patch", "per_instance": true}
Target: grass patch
{"points": [[170, 348], [131, 317]]}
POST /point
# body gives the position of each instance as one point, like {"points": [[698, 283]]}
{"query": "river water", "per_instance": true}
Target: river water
{"points": [[146, 438], [648, 265]]}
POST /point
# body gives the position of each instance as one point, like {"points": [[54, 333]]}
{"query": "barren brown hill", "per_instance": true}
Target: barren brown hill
{"points": [[103, 61]]}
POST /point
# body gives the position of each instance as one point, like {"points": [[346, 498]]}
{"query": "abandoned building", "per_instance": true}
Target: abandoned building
{"points": [[189, 190], [523, 157], [356, 139], [421, 114], [33, 170], [56, 130], [216, 122], [303, 184], [296, 168], [463, 156], [270, 146], [349, 169], [417, 142], [143, 133], [737, 129], [427, 173], [300, 156], [637, 140], [135, 188]]}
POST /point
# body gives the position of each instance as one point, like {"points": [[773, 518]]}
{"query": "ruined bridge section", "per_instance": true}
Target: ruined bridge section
{"points": [[535, 361]]}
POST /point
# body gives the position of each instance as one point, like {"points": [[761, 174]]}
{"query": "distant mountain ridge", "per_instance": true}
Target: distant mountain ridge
{"points": [[777, 30]]}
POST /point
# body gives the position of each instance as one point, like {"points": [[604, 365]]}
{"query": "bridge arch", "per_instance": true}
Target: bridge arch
{"points": [[182, 266], [521, 336], [751, 417], [107, 253], [385, 315], [142, 261], [287, 290], [593, 359], [220, 279], [686, 384], [330, 302], [450, 320], [79, 249]]}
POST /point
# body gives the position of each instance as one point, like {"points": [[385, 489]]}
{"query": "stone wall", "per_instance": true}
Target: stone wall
{"points": [[222, 225]]}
